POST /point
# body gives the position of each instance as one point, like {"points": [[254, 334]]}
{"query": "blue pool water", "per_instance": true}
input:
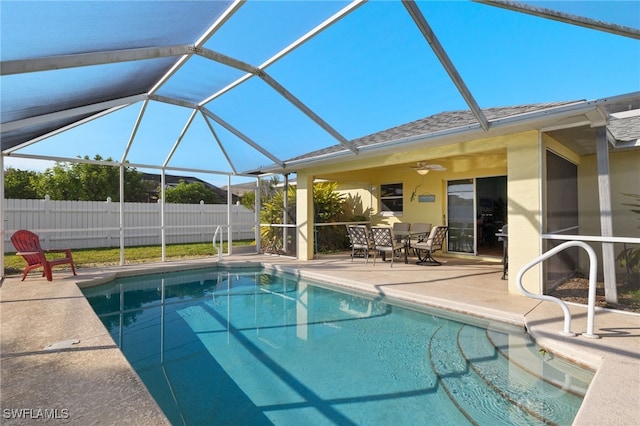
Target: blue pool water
{"points": [[255, 347]]}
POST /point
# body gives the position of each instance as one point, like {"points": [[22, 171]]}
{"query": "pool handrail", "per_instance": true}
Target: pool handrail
{"points": [[593, 268], [215, 234]]}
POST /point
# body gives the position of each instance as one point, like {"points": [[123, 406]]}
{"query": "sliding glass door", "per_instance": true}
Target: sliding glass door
{"points": [[461, 216], [476, 211]]}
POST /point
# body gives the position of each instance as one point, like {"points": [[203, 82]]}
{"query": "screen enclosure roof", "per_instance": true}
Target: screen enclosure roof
{"points": [[240, 87]]}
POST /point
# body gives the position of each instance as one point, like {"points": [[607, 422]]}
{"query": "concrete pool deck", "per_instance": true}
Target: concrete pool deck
{"points": [[85, 379]]}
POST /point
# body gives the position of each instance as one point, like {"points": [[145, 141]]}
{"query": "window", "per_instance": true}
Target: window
{"points": [[391, 199]]}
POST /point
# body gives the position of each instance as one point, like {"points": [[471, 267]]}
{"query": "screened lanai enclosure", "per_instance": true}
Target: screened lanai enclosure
{"points": [[234, 92]]}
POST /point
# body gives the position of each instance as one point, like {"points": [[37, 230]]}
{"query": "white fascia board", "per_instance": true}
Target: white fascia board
{"points": [[632, 96], [548, 115], [627, 145]]}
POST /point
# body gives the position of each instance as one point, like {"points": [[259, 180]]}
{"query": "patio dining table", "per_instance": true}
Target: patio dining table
{"points": [[406, 239]]}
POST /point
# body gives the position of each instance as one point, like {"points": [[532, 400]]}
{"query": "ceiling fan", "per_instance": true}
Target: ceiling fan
{"points": [[423, 168]]}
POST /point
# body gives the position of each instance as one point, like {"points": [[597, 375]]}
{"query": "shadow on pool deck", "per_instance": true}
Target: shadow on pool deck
{"points": [[90, 382]]}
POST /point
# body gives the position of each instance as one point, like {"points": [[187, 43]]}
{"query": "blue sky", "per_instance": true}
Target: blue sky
{"points": [[370, 71]]}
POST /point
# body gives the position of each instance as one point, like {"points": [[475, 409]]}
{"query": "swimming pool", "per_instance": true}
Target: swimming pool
{"points": [[250, 346]]}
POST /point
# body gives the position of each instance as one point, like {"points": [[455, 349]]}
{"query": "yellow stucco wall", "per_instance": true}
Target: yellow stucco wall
{"points": [[524, 201], [480, 158], [304, 205]]}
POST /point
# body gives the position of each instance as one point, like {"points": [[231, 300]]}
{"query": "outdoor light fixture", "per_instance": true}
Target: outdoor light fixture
{"points": [[423, 168]]}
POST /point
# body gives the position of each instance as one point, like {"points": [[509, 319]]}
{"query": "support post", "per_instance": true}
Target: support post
{"points": [[285, 215], [257, 208], [304, 216], [163, 236], [121, 206], [229, 217], [606, 220]]}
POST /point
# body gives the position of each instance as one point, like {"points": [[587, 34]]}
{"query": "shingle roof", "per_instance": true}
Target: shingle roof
{"points": [[436, 123], [625, 129]]}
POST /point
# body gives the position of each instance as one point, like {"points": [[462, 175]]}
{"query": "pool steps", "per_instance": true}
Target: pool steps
{"points": [[483, 363], [480, 403], [522, 351]]}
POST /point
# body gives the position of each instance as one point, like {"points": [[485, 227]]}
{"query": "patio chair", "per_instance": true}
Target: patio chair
{"points": [[27, 245], [434, 242], [419, 232], [385, 242], [360, 241], [400, 228]]}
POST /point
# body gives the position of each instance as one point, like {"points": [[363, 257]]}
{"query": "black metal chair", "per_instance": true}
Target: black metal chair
{"points": [[419, 232], [433, 243]]}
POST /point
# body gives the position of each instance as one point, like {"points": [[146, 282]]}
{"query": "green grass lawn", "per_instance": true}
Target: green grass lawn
{"points": [[89, 258]]}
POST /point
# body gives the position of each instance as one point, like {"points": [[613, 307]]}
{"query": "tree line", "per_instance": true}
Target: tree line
{"points": [[97, 182]]}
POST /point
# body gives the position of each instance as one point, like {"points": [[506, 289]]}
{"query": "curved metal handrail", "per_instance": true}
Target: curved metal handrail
{"points": [[215, 234], [593, 268]]}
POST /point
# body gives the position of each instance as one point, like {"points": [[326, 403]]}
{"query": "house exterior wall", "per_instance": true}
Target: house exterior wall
{"points": [[524, 174], [521, 157], [358, 199], [518, 156]]}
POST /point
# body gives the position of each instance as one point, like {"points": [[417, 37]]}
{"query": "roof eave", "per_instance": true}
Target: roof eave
{"points": [[513, 124]]}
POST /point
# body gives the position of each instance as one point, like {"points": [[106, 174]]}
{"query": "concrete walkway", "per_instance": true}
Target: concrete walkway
{"points": [[90, 382]]}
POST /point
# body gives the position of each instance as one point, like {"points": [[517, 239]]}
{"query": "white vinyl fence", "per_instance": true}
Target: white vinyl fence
{"points": [[96, 224]]}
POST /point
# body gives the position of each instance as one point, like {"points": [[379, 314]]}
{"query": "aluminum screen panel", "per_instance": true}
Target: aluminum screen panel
{"points": [[325, 74]]}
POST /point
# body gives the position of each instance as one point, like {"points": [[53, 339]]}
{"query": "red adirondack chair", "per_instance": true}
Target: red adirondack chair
{"points": [[28, 246]]}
